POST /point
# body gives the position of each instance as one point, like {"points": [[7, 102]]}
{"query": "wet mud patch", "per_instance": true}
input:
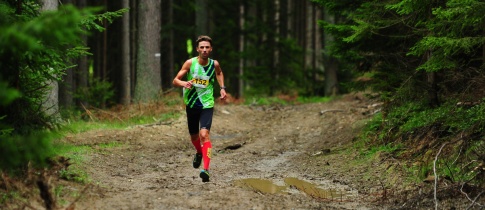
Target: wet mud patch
{"points": [[292, 184]]}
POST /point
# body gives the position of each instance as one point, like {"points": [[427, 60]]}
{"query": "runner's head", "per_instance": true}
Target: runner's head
{"points": [[204, 46], [203, 38]]}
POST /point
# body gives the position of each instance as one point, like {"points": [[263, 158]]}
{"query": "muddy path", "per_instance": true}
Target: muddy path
{"points": [[264, 157]]}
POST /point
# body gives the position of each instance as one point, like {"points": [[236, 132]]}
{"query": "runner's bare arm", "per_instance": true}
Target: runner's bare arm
{"points": [[177, 81], [220, 79]]}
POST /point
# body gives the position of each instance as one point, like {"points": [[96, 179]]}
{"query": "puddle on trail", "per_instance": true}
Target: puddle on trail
{"points": [[260, 185], [266, 186]]}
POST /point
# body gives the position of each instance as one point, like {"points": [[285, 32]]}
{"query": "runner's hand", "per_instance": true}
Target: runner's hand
{"points": [[188, 84], [223, 94]]}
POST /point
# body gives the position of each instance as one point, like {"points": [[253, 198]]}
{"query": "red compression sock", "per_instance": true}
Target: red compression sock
{"points": [[207, 154], [197, 145]]}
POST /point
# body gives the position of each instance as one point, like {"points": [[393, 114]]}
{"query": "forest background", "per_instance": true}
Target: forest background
{"points": [[423, 59]]}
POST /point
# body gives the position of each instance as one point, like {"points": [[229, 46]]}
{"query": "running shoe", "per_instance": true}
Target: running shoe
{"points": [[197, 160], [204, 175]]}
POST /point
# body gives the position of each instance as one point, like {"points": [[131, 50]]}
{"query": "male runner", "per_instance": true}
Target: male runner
{"points": [[198, 94]]}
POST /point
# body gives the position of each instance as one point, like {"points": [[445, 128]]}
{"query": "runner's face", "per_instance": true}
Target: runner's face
{"points": [[204, 49]]}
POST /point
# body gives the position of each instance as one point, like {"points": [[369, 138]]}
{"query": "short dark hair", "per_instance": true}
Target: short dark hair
{"points": [[203, 38]]}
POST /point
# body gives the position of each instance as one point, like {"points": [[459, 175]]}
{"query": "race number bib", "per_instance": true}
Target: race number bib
{"points": [[200, 81]]}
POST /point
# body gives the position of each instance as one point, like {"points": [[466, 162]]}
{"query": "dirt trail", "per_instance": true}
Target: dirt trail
{"points": [[285, 148]]}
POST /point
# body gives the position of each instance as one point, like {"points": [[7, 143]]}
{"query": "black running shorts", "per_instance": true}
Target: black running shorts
{"points": [[199, 117]]}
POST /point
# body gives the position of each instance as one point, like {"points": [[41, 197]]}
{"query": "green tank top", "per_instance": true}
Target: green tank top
{"points": [[201, 95]]}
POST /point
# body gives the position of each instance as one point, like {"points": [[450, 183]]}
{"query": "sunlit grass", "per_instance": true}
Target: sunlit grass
{"points": [[115, 118], [285, 100], [387, 148], [306, 100], [76, 155], [79, 125], [77, 158], [12, 194], [265, 101]]}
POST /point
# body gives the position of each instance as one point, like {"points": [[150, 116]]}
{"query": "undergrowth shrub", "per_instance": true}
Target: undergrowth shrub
{"points": [[18, 151], [457, 128], [412, 118], [97, 94]]}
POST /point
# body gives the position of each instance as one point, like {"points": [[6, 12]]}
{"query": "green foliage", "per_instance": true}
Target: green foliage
{"points": [[425, 60], [5, 196], [419, 172], [265, 101], [93, 21], [448, 117], [77, 124], [266, 79], [35, 49], [97, 93], [306, 100], [392, 40], [76, 156], [467, 119], [449, 121], [75, 175], [16, 151], [75, 153], [387, 148], [7, 95], [446, 168], [373, 142], [272, 100], [372, 129], [58, 191], [33, 53]]}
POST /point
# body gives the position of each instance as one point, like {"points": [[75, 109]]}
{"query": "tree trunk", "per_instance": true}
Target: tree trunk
{"points": [[148, 76], [240, 85], [82, 71], [251, 11], [167, 44], [290, 11], [284, 15], [201, 17], [104, 65], [115, 71], [125, 57], [171, 52], [432, 85], [133, 43], [483, 47], [331, 79], [67, 85], [274, 40], [309, 44], [300, 26], [331, 64], [51, 104], [66, 89]]}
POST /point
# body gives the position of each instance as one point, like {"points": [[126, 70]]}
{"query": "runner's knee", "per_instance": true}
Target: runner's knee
{"points": [[204, 135]]}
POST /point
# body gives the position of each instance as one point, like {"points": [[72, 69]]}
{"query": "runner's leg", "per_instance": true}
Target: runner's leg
{"points": [[206, 148], [193, 118], [205, 125]]}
